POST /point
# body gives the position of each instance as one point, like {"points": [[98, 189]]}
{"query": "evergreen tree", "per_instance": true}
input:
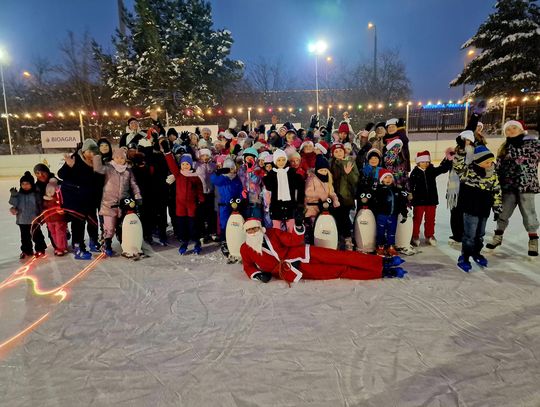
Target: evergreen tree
{"points": [[509, 61], [170, 56]]}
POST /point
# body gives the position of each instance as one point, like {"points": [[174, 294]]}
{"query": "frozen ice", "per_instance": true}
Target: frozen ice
{"points": [[194, 331]]}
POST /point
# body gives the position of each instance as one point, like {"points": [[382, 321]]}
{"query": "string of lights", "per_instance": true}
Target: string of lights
{"points": [[220, 111]]}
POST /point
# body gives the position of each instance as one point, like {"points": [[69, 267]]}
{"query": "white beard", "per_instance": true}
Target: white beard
{"points": [[255, 241]]}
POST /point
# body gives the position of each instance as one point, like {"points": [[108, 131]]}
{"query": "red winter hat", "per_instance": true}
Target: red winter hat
{"points": [[423, 157], [383, 173], [336, 146], [396, 141], [343, 128]]}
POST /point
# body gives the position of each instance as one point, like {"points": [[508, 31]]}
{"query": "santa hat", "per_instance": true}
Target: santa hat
{"points": [[277, 154], [343, 127], [252, 223], [205, 151], [306, 143], [321, 147], [512, 123], [394, 142], [336, 146], [383, 173], [423, 157], [467, 135], [389, 122], [242, 134], [481, 154]]}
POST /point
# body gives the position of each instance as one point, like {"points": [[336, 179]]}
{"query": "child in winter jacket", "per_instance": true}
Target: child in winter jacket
{"points": [[294, 162], [319, 188], [345, 177], [228, 186], [423, 184], [369, 175], [26, 205], [287, 192], [394, 161], [189, 194], [479, 192], [54, 216], [389, 201], [206, 215], [517, 168], [308, 155], [251, 176], [119, 180]]}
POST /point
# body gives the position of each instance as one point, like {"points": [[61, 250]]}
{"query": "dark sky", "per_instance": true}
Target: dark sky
{"points": [[428, 33]]}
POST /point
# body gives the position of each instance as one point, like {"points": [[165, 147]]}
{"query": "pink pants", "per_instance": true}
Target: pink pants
{"points": [[429, 225], [109, 226], [289, 223], [59, 234]]}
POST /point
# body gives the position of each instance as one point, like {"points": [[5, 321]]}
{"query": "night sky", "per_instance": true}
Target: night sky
{"points": [[428, 33]]}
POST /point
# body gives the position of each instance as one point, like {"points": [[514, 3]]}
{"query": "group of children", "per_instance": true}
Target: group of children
{"points": [[280, 176]]}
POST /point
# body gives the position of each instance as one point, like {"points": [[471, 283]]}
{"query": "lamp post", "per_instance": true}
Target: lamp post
{"points": [[470, 53], [374, 27], [317, 48], [3, 59]]}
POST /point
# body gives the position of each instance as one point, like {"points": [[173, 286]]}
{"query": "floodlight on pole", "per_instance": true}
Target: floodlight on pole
{"points": [[372, 26], [4, 60], [317, 48]]}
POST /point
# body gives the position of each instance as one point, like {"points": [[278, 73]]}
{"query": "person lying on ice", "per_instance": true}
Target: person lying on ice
{"points": [[273, 252]]}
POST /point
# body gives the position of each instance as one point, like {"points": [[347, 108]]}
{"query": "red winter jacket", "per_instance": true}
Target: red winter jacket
{"points": [[189, 190]]}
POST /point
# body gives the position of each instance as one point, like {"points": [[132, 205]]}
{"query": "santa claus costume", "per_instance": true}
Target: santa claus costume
{"points": [[284, 255]]}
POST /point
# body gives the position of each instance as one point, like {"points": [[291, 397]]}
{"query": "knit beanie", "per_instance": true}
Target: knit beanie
{"points": [[390, 122], [374, 153], [467, 135], [27, 177], [186, 158], [229, 163], [205, 151], [41, 168], [481, 154], [337, 146], [277, 154], [119, 152], [172, 132], [321, 162], [343, 127], [90, 145], [250, 151]]}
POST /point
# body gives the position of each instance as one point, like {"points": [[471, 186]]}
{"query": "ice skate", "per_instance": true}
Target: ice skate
{"points": [[394, 261], [396, 272], [464, 264], [224, 249], [415, 242], [480, 260], [94, 247], [408, 251], [391, 251], [82, 254], [197, 249], [380, 251], [431, 241], [533, 247], [183, 249]]}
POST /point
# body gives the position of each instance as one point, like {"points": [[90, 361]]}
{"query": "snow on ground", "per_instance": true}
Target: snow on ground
{"points": [[194, 331]]}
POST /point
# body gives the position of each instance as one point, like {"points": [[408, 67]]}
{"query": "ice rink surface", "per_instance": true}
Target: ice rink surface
{"points": [[194, 331]]}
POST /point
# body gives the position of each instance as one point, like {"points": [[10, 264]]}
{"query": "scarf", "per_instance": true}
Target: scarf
{"points": [[188, 173], [119, 168], [283, 192], [452, 189]]}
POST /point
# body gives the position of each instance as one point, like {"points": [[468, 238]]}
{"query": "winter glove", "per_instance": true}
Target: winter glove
{"points": [[184, 136], [330, 124], [13, 191], [314, 121], [232, 123], [223, 171], [495, 217], [13, 210], [139, 203], [400, 122], [261, 129], [197, 131], [263, 276], [450, 154], [78, 146], [178, 149], [170, 179], [299, 217], [460, 142], [165, 147], [480, 108], [404, 218]]}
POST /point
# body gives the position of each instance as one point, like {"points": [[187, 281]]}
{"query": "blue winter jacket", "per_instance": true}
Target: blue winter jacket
{"points": [[227, 188]]}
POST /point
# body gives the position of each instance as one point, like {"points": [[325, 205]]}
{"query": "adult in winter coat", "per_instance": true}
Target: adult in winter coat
{"points": [[517, 167], [275, 253], [134, 135], [80, 186]]}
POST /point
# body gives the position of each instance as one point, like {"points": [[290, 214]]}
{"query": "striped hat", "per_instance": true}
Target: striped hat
{"points": [[481, 154]]}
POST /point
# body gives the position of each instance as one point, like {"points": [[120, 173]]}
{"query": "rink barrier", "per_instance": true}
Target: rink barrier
{"points": [[16, 165]]}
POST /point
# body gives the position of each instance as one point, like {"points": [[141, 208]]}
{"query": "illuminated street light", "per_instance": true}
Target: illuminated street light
{"points": [[317, 48], [4, 60]]}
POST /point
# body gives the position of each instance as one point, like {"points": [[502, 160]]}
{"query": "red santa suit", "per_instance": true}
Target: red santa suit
{"points": [[286, 256]]}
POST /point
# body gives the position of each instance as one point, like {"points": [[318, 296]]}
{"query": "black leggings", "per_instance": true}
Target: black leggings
{"points": [[27, 237], [77, 228], [456, 223], [343, 220]]}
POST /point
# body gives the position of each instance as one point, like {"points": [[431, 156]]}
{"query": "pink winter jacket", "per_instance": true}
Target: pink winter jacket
{"points": [[117, 187], [316, 191]]}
